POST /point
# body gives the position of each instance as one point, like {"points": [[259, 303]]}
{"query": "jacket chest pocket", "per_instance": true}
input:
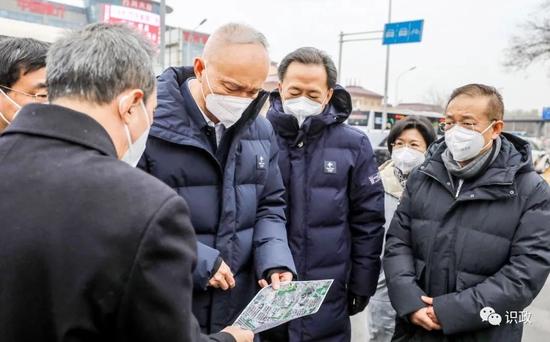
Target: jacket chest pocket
{"points": [[252, 163]]}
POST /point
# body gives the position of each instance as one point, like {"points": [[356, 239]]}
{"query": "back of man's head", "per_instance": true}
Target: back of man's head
{"points": [[98, 63], [19, 56]]}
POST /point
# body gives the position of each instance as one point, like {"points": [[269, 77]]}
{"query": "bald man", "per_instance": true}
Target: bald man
{"points": [[208, 143]]}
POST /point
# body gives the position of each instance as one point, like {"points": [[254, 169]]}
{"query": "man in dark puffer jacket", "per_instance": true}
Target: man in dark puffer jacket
{"points": [[334, 193], [209, 144], [469, 242]]}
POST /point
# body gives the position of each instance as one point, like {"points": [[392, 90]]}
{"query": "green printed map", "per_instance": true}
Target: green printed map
{"points": [[271, 308]]}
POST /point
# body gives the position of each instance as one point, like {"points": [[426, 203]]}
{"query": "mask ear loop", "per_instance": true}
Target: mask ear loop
{"points": [[4, 119], [126, 129], [145, 112], [323, 104], [207, 83], [485, 130], [17, 105]]}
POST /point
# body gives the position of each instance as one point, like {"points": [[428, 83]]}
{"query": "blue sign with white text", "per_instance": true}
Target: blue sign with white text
{"points": [[546, 113], [403, 32]]}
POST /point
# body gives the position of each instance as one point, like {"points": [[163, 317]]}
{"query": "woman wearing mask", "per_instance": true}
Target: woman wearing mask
{"points": [[407, 142]]}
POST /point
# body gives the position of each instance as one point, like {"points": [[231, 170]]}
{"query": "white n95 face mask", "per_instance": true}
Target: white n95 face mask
{"points": [[228, 109], [302, 107], [136, 149], [2, 116], [465, 144], [406, 159]]}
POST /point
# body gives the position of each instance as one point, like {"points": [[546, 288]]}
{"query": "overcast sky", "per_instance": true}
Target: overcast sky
{"points": [[464, 41]]}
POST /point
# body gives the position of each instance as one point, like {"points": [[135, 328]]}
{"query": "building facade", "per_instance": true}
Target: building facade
{"points": [[47, 20]]}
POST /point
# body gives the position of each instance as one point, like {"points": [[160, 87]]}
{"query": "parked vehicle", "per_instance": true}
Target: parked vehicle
{"points": [[541, 159], [370, 122]]}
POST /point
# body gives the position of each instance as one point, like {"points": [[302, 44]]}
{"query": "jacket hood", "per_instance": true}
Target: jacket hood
{"points": [[337, 111], [172, 121]]}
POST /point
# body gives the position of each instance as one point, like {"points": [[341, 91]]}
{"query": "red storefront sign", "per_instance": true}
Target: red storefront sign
{"points": [[42, 7], [142, 5], [195, 37], [146, 22]]}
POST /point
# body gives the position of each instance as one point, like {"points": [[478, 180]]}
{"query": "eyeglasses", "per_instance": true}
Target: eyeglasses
{"points": [[445, 126], [414, 145], [36, 97]]}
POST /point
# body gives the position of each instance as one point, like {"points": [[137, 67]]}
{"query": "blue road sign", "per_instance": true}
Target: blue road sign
{"points": [[546, 113], [403, 32]]}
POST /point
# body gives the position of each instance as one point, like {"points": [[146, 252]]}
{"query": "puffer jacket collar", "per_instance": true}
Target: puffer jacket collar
{"points": [[177, 121], [498, 181], [286, 125]]}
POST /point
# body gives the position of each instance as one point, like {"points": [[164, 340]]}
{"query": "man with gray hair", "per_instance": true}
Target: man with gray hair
{"points": [[209, 144], [93, 249]]}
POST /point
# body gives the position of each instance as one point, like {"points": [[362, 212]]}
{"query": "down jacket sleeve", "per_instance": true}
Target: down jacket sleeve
{"points": [[366, 221], [207, 256], [270, 239], [156, 304], [517, 283], [399, 269]]}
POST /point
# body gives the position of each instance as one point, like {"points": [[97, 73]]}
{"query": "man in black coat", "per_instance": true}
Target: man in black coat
{"points": [[92, 249], [469, 246]]}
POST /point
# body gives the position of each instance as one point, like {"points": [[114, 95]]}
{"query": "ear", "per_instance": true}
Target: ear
{"points": [[198, 67], [498, 127], [329, 96], [127, 102]]}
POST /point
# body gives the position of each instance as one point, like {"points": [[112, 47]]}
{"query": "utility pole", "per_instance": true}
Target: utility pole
{"points": [[191, 37], [397, 83], [342, 40], [385, 110], [162, 34], [341, 45]]}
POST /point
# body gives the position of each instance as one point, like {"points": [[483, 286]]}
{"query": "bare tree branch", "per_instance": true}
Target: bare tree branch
{"points": [[532, 45]]}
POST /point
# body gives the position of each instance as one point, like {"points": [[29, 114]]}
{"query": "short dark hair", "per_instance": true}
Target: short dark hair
{"points": [[421, 124], [310, 55], [495, 109], [19, 56]]}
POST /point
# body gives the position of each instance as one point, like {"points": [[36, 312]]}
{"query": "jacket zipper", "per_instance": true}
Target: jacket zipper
{"points": [[460, 183], [432, 239]]}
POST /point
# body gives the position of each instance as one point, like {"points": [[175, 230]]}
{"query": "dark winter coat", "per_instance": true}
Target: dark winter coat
{"points": [[488, 246], [335, 210], [234, 192], [91, 249]]}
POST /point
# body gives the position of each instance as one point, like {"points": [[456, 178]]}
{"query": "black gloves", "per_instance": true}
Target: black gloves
{"points": [[356, 303]]}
